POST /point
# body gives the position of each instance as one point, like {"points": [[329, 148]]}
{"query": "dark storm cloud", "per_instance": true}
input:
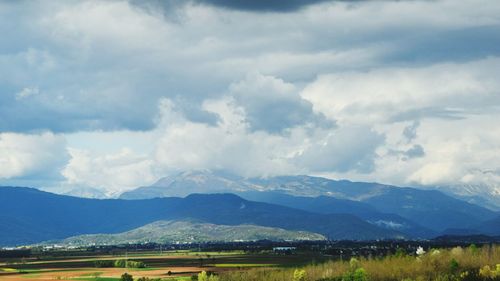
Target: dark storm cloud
{"points": [[169, 6], [244, 5], [262, 5]]}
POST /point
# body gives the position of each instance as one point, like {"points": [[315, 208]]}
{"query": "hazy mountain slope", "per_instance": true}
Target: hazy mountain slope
{"points": [[430, 208], [331, 205], [480, 194], [87, 192], [319, 204], [490, 227], [191, 231], [51, 216], [231, 209]]}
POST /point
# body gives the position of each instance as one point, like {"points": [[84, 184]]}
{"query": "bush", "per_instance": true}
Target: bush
{"points": [[204, 276], [120, 263], [400, 253], [299, 275], [148, 279], [356, 275], [131, 264], [491, 273], [102, 263], [454, 266], [127, 277], [136, 264]]}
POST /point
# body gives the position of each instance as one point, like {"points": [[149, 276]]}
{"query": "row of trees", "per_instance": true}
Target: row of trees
{"points": [[202, 276], [121, 263]]}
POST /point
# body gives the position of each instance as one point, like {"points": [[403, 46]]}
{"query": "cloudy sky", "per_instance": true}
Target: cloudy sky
{"points": [[116, 94]]}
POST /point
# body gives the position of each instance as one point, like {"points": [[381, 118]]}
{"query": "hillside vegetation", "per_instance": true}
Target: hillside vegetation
{"points": [[189, 231]]}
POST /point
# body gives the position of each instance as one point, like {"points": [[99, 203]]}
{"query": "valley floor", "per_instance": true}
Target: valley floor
{"points": [[174, 265], [466, 263]]}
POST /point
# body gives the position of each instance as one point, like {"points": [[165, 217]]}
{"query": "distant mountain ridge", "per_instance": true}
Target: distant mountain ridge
{"points": [[87, 192], [331, 205], [188, 231], [334, 209], [29, 216], [479, 194], [189, 182], [429, 209]]}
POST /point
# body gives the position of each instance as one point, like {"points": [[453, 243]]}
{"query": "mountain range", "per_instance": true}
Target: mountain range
{"points": [[428, 210], [31, 216], [197, 199], [187, 182]]}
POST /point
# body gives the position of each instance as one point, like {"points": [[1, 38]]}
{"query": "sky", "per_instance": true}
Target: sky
{"points": [[117, 94]]}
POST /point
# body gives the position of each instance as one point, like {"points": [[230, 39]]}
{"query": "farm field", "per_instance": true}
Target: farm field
{"points": [[178, 265], [458, 263]]}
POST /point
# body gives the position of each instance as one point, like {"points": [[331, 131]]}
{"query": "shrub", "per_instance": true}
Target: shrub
{"points": [[454, 266], [354, 263], [400, 253], [356, 275], [473, 248], [120, 263], [136, 264], [299, 275], [148, 279], [491, 273], [131, 264], [103, 263], [127, 277], [204, 276]]}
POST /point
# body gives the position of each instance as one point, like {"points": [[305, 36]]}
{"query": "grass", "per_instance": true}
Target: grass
{"points": [[202, 254], [241, 265], [9, 270], [91, 273], [97, 279], [456, 264], [144, 269], [32, 275]]}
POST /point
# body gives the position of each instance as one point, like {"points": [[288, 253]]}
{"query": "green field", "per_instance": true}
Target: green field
{"points": [[169, 265], [456, 264]]}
